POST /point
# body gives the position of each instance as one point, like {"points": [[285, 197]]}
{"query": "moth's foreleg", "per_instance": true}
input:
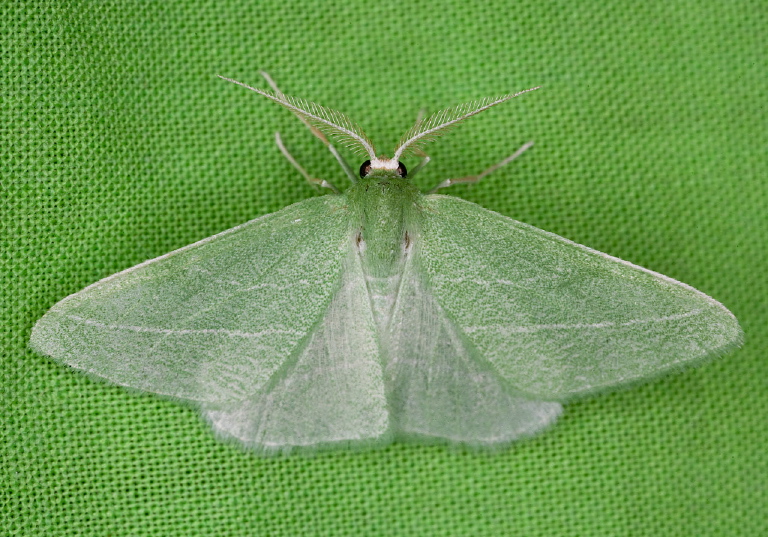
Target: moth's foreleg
{"points": [[314, 181]]}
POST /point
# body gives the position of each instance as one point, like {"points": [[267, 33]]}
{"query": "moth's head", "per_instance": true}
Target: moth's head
{"points": [[383, 167], [321, 119]]}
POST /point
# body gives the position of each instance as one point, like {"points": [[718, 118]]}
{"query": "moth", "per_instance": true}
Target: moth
{"points": [[382, 313]]}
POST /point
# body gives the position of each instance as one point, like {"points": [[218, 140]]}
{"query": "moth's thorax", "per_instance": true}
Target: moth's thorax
{"points": [[385, 221]]}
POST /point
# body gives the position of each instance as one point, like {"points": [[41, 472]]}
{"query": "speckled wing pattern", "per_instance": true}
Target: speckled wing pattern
{"points": [[556, 319], [330, 391], [211, 321], [440, 385]]}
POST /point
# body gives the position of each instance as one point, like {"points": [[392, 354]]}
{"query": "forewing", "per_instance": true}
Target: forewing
{"points": [[331, 391], [440, 385], [212, 321], [555, 318]]}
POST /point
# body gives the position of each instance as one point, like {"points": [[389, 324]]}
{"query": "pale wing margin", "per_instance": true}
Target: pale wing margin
{"points": [[212, 321], [557, 319]]}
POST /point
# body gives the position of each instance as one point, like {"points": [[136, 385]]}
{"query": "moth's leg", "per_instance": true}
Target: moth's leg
{"points": [[343, 163], [476, 178], [319, 135], [424, 161], [311, 180]]}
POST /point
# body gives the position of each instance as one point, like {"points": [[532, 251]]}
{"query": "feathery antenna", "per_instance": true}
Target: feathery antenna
{"points": [[331, 121], [439, 123]]}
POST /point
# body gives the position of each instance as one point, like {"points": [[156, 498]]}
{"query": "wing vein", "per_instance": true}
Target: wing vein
{"points": [[575, 326], [167, 331], [223, 300]]}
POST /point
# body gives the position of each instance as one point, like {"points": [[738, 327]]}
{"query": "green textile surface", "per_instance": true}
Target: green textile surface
{"points": [[118, 144]]}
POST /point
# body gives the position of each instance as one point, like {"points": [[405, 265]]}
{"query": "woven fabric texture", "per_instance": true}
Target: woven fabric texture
{"points": [[118, 144]]}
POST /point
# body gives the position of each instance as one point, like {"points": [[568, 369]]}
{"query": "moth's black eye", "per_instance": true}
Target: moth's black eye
{"points": [[365, 168], [401, 171]]}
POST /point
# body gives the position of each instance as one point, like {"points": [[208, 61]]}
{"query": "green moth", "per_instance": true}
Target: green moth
{"points": [[382, 313]]}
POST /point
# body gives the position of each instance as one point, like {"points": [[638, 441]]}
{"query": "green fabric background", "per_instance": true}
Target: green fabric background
{"points": [[118, 144]]}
